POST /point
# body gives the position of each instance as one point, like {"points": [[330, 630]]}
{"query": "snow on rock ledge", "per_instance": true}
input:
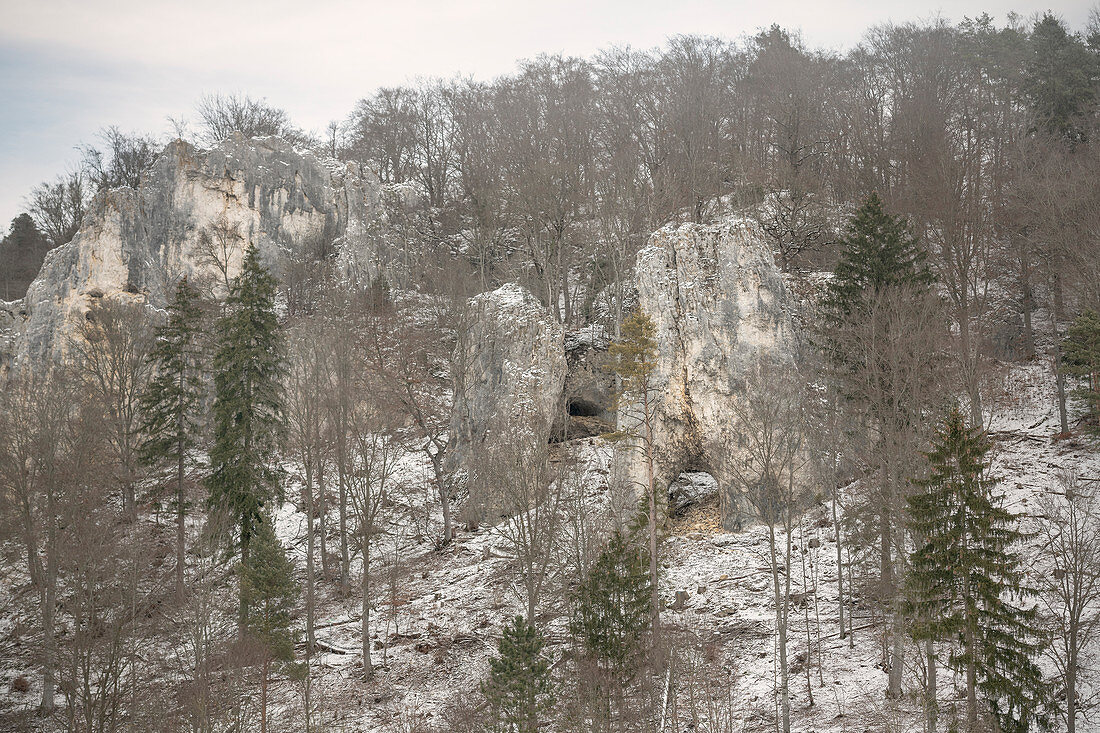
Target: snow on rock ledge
{"points": [[509, 371], [135, 244], [717, 300]]}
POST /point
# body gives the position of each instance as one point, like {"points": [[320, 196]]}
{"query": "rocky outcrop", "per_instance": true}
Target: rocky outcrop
{"points": [[509, 371], [717, 300], [586, 405], [194, 214]]}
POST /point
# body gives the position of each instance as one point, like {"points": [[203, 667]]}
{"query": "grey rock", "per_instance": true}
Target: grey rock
{"points": [[509, 371], [134, 244], [717, 300]]}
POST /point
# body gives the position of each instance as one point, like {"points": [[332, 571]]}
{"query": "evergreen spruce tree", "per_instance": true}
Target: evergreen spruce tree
{"points": [[248, 409], [878, 252], [1081, 349], [267, 582], [171, 402], [963, 575], [519, 690], [864, 342], [611, 617]]}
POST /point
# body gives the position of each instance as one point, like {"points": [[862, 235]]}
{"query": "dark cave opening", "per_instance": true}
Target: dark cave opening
{"points": [[583, 408]]}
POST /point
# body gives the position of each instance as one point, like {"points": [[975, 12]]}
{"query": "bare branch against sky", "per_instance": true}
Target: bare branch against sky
{"points": [[71, 67]]}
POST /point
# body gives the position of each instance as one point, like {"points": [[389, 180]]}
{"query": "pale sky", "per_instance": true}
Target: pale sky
{"points": [[71, 67]]}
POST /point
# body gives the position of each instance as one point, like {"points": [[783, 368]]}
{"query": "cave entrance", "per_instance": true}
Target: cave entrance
{"points": [[583, 408]]}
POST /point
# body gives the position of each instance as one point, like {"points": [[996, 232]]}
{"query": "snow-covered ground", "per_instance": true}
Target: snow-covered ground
{"points": [[436, 613]]}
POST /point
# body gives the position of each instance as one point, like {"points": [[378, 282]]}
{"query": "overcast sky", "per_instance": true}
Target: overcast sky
{"points": [[70, 67]]}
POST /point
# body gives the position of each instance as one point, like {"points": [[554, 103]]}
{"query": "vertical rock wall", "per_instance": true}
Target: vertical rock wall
{"points": [[717, 300]]}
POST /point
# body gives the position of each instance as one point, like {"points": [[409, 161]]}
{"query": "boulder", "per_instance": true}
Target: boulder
{"points": [[717, 300]]}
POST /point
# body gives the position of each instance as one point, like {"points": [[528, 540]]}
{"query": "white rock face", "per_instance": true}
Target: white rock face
{"points": [[509, 374], [135, 244], [717, 300]]}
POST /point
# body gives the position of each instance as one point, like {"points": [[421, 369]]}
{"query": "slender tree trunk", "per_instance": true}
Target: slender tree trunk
{"points": [[651, 491], [781, 631], [345, 558], [311, 641], [1071, 680], [436, 457], [49, 601], [263, 697], [1026, 302], [932, 707], [368, 668], [322, 511], [1059, 374], [970, 366], [839, 566], [242, 618], [181, 515]]}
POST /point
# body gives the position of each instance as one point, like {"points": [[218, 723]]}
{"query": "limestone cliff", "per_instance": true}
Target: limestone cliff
{"points": [[509, 373], [194, 214], [717, 300]]}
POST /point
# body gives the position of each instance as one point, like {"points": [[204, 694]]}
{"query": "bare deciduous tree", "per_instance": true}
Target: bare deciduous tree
{"points": [[1069, 582]]}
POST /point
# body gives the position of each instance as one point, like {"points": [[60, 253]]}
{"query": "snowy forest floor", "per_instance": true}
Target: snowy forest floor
{"points": [[437, 613]]}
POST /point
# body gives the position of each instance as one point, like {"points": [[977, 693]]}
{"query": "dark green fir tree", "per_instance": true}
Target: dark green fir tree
{"points": [[612, 615], [519, 690], [248, 407], [267, 583], [878, 252], [965, 583], [170, 404], [1081, 350]]}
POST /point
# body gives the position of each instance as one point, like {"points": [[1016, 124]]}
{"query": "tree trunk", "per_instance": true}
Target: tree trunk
{"points": [[1059, 375], [651, 490], [1071, 680], [49, 599], [932, 707], [444, 496], [310, 563], [263, 697], [839, 566], [368, 669], [322, 511], [181, 516], [781, 632], [242, 618], [345, 558]]}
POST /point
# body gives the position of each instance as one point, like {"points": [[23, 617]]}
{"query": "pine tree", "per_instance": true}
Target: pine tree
{"points": [[171, 402], [1081, 349], [519, 690], [267, 582], [248, 406], [612, 616], [962, 574], [633, 360]]}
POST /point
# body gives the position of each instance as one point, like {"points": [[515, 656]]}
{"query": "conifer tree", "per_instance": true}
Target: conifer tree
{"points": [[878, 313], [171, 402], [878, 252], [633, 359], [1082, 359], [612, 617], [519, 690], [965, 576], [267, 582], [248, 407]]}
